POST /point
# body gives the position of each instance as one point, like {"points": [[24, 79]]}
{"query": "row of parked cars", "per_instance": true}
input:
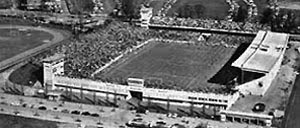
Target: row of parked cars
{"points": [[138, 122], [42, 107]]}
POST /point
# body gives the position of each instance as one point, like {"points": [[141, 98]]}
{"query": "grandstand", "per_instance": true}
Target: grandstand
{"points": [[266, 47], [263, 56], [219, 69]]}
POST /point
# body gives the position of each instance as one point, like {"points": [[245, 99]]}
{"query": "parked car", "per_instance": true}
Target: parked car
{"points": [[138, 122]]}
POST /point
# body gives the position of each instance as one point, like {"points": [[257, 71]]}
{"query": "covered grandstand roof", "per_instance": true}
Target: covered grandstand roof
{"points": [[263, 52]]}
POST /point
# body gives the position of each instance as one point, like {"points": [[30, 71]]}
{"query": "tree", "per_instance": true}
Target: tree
{"points": [[290, 23], [241, 15], [284, 22], [267, 16], [130, 9]]}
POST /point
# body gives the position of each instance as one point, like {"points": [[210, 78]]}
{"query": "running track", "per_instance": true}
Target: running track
{"points": [[59, 36]]}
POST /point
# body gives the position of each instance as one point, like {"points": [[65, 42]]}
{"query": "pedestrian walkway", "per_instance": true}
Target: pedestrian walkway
{"points": [[108, 117]]}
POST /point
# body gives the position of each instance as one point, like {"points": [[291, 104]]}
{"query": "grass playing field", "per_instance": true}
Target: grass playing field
{"points": [[189, 66], [14, 41]]}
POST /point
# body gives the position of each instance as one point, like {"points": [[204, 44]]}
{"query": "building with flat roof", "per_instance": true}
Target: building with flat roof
{"points": [[261, 61], [146, 14], [266, 47], [264, 57], [53, 65]]}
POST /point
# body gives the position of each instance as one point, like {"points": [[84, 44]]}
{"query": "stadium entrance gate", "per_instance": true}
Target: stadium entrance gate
{"points": [[136, 87], [136, 94]]}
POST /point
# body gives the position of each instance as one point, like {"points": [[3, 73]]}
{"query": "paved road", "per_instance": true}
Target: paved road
{"points": [[109, 118], [28, 107], [293, 111]]}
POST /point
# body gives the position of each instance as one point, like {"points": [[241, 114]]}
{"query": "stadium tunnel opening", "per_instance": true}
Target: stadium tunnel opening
{"points": [[249, 76], [137, 95]]}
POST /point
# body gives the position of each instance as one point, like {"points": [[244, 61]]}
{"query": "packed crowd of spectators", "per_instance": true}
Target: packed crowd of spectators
{"points": [[209, 24], [93, 50], [166, 6]]}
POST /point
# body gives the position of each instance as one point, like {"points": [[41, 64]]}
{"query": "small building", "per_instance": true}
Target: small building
{"points": [[33, 4], [146, 14], [53, 65]]}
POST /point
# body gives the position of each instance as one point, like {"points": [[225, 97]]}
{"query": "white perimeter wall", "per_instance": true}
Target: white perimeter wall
{"points": [[196, 97]]}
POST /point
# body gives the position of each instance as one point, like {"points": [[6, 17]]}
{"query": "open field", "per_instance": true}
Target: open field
{"points": [[216, 9], [27, 75], [181, 66], [14, 41]]}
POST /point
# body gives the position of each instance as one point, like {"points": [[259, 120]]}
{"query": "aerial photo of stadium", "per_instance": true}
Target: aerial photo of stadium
{"points": [[148, 63]]}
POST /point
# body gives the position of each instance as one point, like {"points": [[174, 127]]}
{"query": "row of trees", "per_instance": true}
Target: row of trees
{"points": [[284, 21], [281, 21]]}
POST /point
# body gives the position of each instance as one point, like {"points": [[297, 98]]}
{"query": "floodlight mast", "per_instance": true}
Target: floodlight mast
{"points": [[79, 19]]}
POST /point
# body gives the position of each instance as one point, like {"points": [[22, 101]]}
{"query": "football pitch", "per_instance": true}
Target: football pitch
{"points": [[186, 66]]}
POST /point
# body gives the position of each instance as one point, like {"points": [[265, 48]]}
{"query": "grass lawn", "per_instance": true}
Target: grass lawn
{"points": [[186, 65], [216, 9], [7, 121], [27, 73], [13, 41]]}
